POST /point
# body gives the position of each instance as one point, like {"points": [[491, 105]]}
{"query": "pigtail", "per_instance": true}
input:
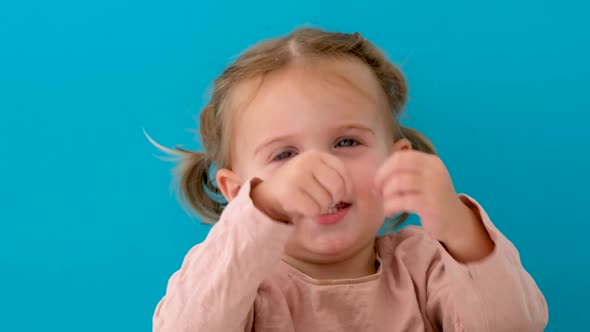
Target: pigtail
{"points": [[196, 187]]}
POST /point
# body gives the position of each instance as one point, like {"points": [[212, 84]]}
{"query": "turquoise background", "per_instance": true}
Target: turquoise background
{"points": [[90, 230]]}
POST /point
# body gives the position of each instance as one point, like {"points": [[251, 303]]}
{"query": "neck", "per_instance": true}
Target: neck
{"points": [[360, 264]]}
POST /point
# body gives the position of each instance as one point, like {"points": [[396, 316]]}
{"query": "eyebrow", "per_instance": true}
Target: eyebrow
{"points": [[336, 129]]}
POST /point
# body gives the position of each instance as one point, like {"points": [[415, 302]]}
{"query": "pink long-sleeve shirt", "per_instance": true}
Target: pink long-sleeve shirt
{"points": [[235, 280]]}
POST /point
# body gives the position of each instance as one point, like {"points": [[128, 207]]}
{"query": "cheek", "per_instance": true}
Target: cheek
{"points": [[257, 169]]}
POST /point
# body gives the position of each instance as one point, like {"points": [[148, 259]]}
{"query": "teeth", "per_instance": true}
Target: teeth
{"points": [[332, 210]]}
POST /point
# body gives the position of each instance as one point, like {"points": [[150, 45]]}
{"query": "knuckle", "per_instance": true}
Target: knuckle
{"points": [[313, 209], [338, 188]]}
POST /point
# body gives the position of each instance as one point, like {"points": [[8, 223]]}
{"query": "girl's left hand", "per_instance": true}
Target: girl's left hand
{"points": [[417, 182]]}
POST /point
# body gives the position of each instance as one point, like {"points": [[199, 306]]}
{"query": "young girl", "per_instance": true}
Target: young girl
{"points": [[304, 134]]}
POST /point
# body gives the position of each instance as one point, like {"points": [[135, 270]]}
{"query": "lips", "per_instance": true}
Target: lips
{"points": [[334, 214]]}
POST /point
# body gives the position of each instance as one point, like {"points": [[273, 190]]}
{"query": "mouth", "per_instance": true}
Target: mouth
{"points": [[334, 215], [334, 209]]}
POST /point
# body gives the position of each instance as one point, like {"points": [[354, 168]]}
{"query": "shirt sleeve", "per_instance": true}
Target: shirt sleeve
{"points": [[216, 286], [492, 294]]}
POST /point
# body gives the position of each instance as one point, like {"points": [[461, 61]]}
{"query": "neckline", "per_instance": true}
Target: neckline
{"points": [[329, 282]]}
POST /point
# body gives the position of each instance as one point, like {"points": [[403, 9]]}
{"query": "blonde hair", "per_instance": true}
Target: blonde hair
{"points": [[194, 171]]}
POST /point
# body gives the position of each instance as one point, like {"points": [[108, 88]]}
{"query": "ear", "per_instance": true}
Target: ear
{"points": [[229, 183], [401, 144]]}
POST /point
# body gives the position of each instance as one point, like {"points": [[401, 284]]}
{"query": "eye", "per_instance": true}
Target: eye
{"points": [[347, 142], [283, 155]]}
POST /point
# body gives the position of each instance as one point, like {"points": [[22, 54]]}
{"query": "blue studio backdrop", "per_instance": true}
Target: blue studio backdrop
{"points": [[90, 231]]}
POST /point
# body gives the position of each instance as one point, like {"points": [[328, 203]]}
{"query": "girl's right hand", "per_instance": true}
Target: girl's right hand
{"points": [[306, 185]]}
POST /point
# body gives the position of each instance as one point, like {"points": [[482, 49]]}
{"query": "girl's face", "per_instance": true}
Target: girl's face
{"points": [[315, 107]]}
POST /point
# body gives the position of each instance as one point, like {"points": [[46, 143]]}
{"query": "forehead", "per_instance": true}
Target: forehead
{"points": [[348, 77], [303, 98]]}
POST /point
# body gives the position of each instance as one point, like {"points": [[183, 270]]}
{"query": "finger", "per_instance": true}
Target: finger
{"points": [[331, 181], [303, 203], [399, 162], [398, 203], [317, 193], [401, 183], [340, 170]]}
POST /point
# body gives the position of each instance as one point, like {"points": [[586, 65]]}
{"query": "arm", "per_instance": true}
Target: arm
{"points": [[494, 293], [216, 286]]}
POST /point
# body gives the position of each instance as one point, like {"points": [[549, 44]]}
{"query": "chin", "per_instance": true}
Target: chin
{"points": [[329, 243], [332, 245]]}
